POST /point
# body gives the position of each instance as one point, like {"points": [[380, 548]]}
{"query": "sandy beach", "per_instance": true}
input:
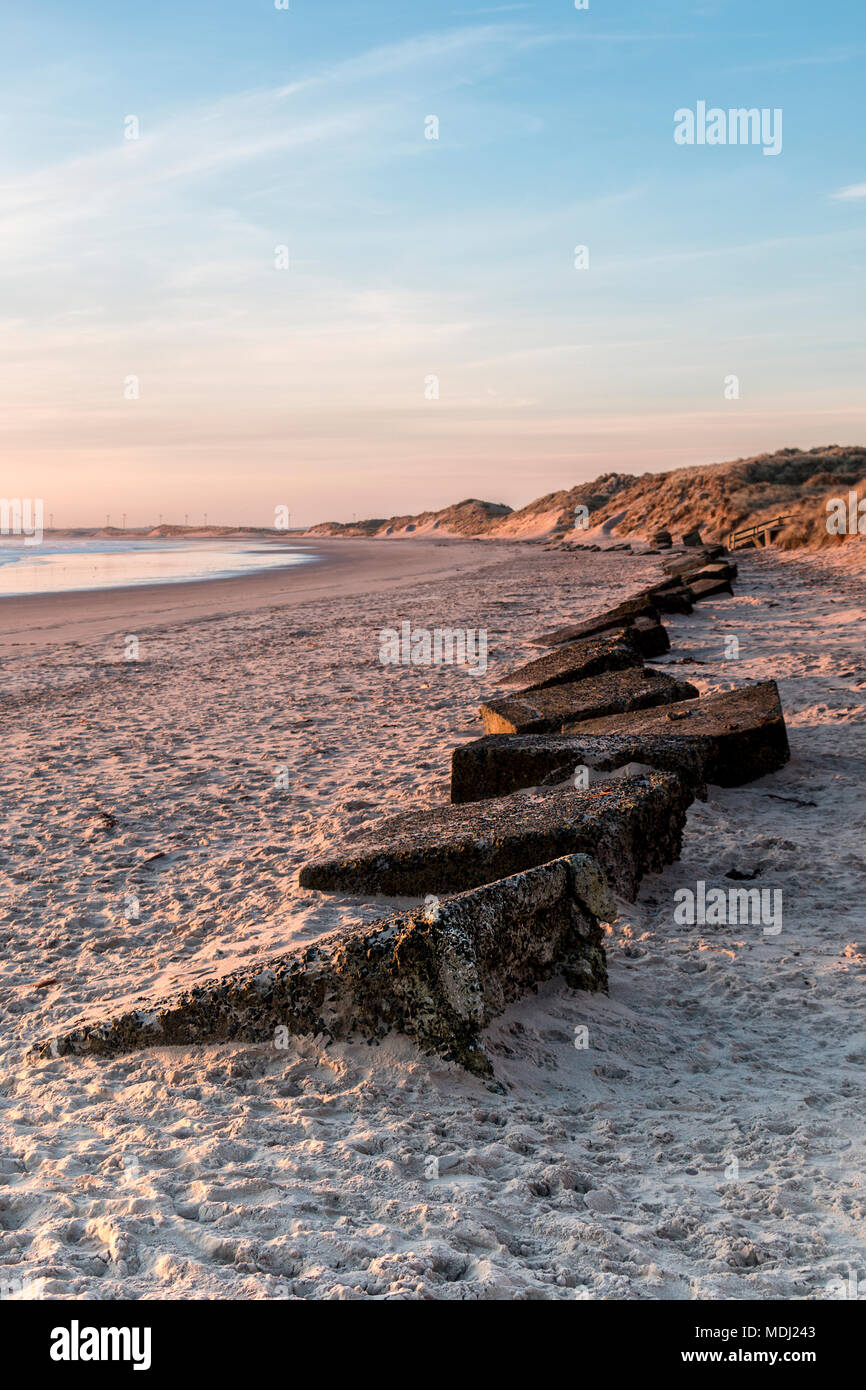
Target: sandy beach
{"points": [[37, 621], [707, 1144]]}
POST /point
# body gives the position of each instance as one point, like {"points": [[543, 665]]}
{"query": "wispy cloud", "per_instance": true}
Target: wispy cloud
{"points": [[852, 192], [804, 60], [345, 105]]}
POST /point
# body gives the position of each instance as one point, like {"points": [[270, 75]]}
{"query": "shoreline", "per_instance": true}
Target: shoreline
{"points": [[341, 568]]}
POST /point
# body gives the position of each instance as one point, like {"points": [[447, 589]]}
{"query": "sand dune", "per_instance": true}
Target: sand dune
{"points": [[714, 498]]}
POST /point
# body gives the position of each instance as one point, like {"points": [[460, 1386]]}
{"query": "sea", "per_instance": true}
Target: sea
{"points": [[69, 565]]}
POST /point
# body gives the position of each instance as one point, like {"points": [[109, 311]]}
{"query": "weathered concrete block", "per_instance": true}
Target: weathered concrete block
{"points": [[713, 569], [707, 588], [663, 586], [671, 596], [438, 974], [650, 636], [631, 827], [685, 560], [624, 615], [613, 692], [577, 661], [504, 763], [717, 569], [736, 735]]}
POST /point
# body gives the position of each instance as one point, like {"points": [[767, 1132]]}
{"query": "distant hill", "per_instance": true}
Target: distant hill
{"points": [[468, 518], [715, 498]]}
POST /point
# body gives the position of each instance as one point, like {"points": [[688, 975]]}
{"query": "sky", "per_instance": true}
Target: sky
{"points": [[236, 273]]}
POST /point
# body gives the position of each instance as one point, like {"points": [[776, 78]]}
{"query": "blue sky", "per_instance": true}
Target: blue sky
{"points": [[411, 258]]}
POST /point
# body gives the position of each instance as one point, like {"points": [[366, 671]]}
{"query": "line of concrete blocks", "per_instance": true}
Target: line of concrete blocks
{"points": [[590, 703], [528, 875]]}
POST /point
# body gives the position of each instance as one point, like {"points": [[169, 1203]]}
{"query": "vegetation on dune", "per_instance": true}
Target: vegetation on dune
{"points": [[715, 498]]}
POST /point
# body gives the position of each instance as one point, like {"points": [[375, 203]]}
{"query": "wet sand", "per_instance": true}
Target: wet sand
{"points": [[341, 568]]}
